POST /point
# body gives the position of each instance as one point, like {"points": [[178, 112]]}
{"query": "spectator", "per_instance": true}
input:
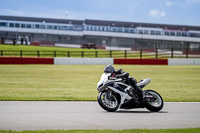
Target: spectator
{"points": [[2, 40], [26, 40], [14, 41], [22, 40]]}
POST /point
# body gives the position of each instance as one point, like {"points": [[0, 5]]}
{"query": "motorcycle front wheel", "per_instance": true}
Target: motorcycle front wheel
{"points": [[154, 103], [108, 101]]}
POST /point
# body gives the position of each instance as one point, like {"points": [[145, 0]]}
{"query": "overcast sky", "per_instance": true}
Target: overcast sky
{"points": [[181, 12]]}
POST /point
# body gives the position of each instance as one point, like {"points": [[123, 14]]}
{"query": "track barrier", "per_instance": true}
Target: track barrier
{"points": [[82, 61], [141, 61], [26, 60], [96, 61]]}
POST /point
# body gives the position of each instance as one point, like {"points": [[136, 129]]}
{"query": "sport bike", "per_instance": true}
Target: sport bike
{"points": [[114, 94]]}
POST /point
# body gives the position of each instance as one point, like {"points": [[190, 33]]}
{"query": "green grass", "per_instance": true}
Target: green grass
{"points": [[25, 47], [32, 51], [14, 50], [78, 82], [188, 130]]}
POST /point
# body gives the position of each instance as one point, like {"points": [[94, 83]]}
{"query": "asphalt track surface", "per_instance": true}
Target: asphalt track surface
{"points": [[41, 115]]}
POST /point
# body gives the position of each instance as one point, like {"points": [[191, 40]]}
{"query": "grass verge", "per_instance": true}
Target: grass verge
{"points": [[32, 51], [15, 50], [188, 130], [78, 82]]}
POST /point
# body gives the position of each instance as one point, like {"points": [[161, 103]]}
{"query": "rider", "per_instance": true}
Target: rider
{"points": [[119, 73]]}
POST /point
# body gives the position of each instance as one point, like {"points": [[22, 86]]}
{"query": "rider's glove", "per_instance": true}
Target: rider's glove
{"points": [[119, 71], [124, 75]]}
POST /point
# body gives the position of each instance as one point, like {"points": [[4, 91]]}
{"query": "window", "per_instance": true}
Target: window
{"points": [[167, 33], [2, 24], [17, 25], [114, 29], [87, 27], [178, 34], [146, 32], [140, 32], [100, 28], [54, 27], [126, 30], [42, 26], [172, 33], [90, 27], [11, 25], [49, 27], [158, 33], [64, 27], [76, 27], [28, 25], [152, 32], [37, 26], [194, 34], [184, 33], [105, 28], [23, 25], [119, 29], [132, 30]]}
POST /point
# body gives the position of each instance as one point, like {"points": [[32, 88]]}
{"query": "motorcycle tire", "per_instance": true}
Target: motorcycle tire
{"points": [[154, 104], [108, 103]]}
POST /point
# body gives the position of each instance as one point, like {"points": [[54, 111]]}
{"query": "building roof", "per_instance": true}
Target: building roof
{"points": [[102, 23], [48, 20]]}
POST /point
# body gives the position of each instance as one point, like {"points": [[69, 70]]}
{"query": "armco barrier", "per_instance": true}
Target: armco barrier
{"points": [[82, 61], [25, 60], [141, 61]]}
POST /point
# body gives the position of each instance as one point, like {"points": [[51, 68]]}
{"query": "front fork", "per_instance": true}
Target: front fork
{"points": [[109, 94]]}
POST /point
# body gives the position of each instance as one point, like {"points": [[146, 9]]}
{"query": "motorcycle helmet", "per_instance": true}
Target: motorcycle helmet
{"points": [[109, 69]]}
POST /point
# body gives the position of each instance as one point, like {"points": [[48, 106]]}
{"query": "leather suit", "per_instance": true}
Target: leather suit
{"points": [[119, 73]]}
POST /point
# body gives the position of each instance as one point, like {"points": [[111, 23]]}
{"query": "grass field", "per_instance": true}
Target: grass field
{"points": [[188, 130], [78, 82], [25, 47], [14, 50]]}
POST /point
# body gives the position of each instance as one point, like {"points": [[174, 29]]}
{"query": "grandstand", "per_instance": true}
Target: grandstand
{"points": [[66, 32]]}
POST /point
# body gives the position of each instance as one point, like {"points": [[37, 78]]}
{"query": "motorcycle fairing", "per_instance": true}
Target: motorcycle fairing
{"points": [[112, 85], [144, 82]]}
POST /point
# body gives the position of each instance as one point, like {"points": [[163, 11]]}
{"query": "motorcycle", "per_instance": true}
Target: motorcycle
{"points": [[114, 94]]}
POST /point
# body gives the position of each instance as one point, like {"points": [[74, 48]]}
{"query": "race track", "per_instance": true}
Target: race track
{"points": [[42, 115]]}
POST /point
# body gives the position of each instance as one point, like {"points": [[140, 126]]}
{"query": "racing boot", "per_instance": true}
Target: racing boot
{"points": [[130, 92], [139, 91]]}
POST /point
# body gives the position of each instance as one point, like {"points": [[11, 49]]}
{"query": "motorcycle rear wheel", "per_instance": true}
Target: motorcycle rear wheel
{"points": [[154, 104], [108, 101]]}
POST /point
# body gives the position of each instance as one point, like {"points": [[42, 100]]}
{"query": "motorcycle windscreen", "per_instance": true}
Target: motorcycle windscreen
{"points": [[104, 77]]}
